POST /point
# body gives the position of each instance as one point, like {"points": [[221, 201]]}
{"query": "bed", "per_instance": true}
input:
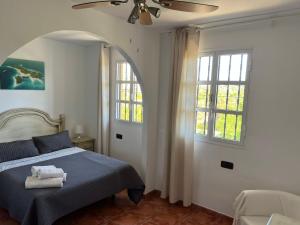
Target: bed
{"points": [[91, 176]]}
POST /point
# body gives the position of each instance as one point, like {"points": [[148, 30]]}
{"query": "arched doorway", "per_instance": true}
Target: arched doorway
{"points": [[51, 101]]}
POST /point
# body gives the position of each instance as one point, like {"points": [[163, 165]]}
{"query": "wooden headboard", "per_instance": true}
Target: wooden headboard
{"points": [[25, 123]]}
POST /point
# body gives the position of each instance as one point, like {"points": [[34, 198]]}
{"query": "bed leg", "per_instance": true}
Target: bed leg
{"points": [[113, 197]]}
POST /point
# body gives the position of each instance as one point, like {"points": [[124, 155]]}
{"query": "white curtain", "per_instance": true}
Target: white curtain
{"points": [[179, 172], [104, 101]]}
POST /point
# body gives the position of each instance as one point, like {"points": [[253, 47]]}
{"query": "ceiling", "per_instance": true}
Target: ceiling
{"points": [[76, 37], [227, 9]]}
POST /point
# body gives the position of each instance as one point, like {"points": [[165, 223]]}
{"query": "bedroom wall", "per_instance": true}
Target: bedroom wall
{"points": [[66, 84], [92, 57], [165, 82], [270, 157]]}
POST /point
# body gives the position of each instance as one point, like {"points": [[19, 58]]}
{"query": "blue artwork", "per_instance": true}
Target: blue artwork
{"points": [[20, 74]]}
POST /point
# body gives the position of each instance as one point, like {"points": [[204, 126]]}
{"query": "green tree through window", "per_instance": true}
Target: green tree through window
{"points": [[222, 81]]}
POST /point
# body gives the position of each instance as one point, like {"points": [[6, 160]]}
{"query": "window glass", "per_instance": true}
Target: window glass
{"points": [[129, 97], [222, 94], [204, 79]]}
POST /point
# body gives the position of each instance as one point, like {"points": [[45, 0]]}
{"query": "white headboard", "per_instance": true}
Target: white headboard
{"points": [[25, 123]]}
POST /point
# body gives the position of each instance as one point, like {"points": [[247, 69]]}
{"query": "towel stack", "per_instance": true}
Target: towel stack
{"points": [[45, 177]]}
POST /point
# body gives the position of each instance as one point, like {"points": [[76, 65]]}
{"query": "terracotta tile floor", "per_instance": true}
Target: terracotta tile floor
{"points": [[151, 211]]}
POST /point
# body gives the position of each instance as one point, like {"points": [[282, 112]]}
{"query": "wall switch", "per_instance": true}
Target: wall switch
{"points": [[227, 165], [119, 136]]}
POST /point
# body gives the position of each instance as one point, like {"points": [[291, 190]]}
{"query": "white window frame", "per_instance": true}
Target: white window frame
{"points": [[213, 98], [131, 101]]}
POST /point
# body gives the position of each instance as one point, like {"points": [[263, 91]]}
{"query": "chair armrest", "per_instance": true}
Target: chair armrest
{"points": [[278, 219], [257, 203]]}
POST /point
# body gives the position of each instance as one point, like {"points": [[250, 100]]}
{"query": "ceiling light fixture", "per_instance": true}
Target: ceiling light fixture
{"points": [[144, 14]]}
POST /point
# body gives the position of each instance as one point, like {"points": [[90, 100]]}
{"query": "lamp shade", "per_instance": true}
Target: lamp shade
{"points": [[78, 129]]}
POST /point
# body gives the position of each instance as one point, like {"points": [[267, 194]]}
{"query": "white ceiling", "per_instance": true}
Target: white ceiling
{"points": [[76, 37], [227, 9]]}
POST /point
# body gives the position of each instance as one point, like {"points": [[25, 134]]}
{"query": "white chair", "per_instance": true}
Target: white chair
{"points": [[255, 207], [277, 219]]}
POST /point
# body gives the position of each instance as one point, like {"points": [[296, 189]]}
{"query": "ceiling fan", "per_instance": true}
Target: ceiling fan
{"points": [[142, 12]]}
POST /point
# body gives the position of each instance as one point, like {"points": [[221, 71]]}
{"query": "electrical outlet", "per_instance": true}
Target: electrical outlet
{"points": [[119, 136], [227, 165]]}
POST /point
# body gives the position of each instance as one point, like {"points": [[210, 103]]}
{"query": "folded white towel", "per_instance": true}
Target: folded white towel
{"points": [[34, 182], [50, 173], [65, 177], [36, 169]]}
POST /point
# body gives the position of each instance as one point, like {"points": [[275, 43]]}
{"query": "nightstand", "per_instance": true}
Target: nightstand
{"points": [[86, 143]]}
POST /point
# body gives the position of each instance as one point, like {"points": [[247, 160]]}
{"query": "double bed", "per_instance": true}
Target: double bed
{"points": [[91, 176]]}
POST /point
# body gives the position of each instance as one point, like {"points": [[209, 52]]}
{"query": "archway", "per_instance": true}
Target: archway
{"points": [[143, 49], [81, 36]]}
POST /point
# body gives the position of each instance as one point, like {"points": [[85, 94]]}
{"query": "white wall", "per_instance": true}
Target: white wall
{"points": [[165, 82], [48, 100], [271, 155], [65, 81], [130, 147], [92, 58]]}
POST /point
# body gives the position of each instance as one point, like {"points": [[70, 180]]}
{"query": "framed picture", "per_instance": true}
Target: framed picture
{"points": [[21, 74]]}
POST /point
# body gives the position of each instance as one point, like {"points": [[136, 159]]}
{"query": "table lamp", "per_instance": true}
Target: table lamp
{"points": [[78, 131]]}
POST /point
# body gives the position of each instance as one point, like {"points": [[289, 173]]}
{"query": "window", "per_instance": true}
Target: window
{"points": [[129, 97], [222, 83]]}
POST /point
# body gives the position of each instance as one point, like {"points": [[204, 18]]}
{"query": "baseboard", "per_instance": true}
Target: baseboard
{"points": [[213, 210]]}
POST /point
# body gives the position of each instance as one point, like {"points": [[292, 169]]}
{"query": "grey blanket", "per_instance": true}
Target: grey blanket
{"points": [[91, 177]]}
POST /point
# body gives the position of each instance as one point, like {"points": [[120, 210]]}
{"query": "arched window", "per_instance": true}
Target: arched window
{"points": [[129, 97]]}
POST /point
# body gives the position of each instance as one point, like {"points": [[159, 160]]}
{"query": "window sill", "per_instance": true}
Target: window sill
{"points": [[223, 143], [128, 122]]}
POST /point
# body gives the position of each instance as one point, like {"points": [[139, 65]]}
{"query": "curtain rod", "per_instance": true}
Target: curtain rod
{"points": [[244, 19], [249, 19]]}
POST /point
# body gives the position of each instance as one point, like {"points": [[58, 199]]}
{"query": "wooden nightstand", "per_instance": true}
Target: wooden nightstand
{"points": [[86, 143]]}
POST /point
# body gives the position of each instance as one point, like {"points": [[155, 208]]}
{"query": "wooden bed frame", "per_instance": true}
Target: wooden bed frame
{"points": [[25, 123]]}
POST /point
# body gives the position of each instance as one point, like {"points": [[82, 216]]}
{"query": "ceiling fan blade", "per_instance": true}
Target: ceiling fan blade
{"points": [[188, 6], [145, 18], [103, 3], [134, 15]]}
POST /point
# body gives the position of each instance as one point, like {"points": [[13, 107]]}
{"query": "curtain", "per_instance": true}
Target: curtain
{"points": [[179, 172], [104, 101]]}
